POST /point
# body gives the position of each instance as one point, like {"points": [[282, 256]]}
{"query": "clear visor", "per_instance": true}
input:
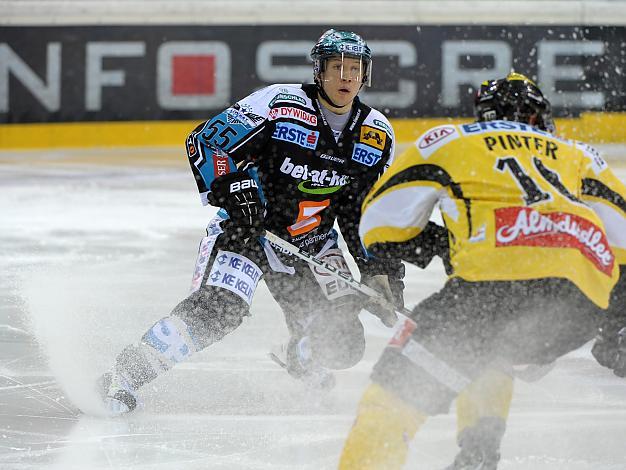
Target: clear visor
{"points": [[348, 67]]}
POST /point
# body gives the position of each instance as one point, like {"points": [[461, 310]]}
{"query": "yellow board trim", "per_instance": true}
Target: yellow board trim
{"points": [[95, 134], [589, 127], [605, 128]]}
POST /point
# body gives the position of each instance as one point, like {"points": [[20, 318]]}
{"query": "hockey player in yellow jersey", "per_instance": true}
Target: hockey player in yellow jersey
{"points": [[482, 409], [536, 229]]}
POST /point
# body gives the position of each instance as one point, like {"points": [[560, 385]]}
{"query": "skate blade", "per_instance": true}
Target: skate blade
{"points": [[277, 360]]}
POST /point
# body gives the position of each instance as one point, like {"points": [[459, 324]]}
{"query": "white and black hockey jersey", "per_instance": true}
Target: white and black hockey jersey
{"points": [[307, 178]]}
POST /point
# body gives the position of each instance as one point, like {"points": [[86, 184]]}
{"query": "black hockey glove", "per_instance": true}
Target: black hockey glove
{"points": [[432, 241], [391, 287], [238, 194], [609, 348]]}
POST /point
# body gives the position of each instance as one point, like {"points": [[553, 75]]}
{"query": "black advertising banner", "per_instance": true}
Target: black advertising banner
{"points": [[177, 72]]}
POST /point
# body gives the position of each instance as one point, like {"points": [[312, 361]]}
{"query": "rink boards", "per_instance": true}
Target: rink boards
{"points": [[604, 128], [115, 83]]}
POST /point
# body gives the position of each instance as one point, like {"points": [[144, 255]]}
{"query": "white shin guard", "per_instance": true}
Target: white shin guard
{"points": [[167, 343]]}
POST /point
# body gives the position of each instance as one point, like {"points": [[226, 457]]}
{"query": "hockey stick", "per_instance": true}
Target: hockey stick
{"points": [[333, 271], [412, 350]]}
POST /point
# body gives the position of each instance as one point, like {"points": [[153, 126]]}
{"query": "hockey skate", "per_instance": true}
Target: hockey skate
{"points": [[480, 446], [313, 376], [475, 459], [117, 395]]}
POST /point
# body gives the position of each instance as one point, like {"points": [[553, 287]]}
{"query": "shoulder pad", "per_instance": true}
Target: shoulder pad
{"points": [[598, 164], [285, 94], [252, 110], [378, 120]]}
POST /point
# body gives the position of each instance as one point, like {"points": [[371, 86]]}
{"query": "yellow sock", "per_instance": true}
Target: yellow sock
{"points": [[488, 396], [380, 436]]}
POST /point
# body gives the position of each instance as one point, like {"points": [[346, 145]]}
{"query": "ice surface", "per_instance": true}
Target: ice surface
{"points": [[92, 254]]}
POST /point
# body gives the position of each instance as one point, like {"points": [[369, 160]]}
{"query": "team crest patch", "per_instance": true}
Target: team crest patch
{"points": [[523, 226], [384, 125], [292, 113], [235, 273], [373, 137], [191, 150], [436, 138], [295, 134], [366, 155], [287, 97], [598, 164]]}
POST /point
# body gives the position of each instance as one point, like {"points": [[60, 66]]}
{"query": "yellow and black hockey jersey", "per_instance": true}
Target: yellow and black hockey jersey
{"points": [[519, 203]]}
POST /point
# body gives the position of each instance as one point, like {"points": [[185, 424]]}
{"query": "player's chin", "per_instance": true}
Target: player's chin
{"points": [[344, 98]]}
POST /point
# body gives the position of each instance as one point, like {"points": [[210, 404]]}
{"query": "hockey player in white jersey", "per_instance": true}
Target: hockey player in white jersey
{"points": [[292, 159]]}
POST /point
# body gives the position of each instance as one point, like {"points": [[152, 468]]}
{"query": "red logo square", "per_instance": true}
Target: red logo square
{"points": [[193, 75]]}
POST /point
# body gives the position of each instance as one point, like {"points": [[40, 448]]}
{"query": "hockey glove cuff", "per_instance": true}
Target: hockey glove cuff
{"points": [[609, 348], [391, 290], [238, 194], [432, 241]]}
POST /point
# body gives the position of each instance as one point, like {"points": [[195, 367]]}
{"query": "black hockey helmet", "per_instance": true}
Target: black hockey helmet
{"points": [[514, 98]]}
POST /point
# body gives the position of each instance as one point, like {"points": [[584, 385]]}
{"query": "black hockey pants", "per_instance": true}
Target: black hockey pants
{"points": [[474, 325], [313, 304]]}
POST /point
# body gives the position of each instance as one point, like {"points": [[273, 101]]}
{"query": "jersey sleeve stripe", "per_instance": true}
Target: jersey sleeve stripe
{"points": [[431, 173], [398, 215], [237, 145], [597, 189], [427, 172], [614, 223]]}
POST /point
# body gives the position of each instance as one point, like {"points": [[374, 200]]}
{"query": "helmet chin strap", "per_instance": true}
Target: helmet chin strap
{"points": [[323, 94]]}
